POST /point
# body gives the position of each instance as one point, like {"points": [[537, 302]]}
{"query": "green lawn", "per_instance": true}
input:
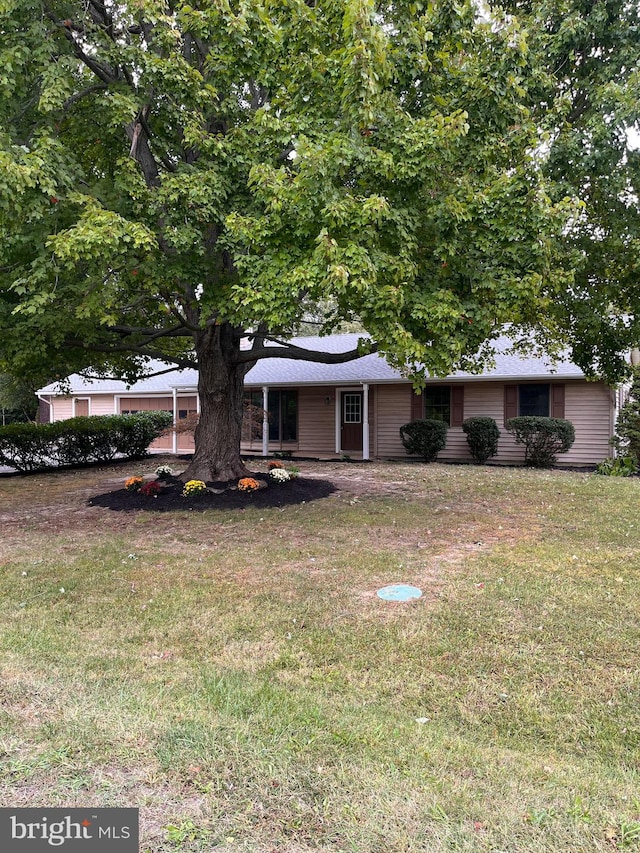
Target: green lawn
{"points": [[234, 675]]}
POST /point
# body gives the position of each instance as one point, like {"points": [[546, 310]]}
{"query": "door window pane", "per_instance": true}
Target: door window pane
{"points": [[352, 408]]}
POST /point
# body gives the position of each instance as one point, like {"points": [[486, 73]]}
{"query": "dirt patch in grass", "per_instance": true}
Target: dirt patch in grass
{"points": [[221, 496]]}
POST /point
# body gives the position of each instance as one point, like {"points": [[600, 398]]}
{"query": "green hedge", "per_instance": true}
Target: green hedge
{"points": [[482, 438], [77, 441], [425, 438], [543, 438]]}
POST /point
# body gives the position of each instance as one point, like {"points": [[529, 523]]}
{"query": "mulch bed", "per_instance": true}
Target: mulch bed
{"points": [[298, 491]]}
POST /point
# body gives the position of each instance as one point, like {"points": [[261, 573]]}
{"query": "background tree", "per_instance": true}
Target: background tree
{"points": [[587, 103], [18, 401], [177, 179]]}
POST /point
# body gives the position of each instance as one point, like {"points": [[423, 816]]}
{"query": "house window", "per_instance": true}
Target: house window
{"points": [[437, 403], [183, 414], [533, 400], [282, 409]]}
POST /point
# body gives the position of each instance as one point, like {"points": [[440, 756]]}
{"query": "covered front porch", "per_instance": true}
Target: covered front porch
{"points": [[321, 421]]}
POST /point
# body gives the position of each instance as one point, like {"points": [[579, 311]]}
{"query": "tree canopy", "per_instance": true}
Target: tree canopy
{"points": [[587, 102], [178, 177]]}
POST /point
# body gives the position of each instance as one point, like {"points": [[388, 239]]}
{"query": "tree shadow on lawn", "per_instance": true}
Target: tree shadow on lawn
{"points": [[298, 491]]}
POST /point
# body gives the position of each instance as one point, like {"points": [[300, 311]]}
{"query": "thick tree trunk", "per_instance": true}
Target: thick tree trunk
{"points": [[221, 389]]}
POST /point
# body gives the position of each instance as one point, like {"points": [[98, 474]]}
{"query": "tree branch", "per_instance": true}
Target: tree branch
{"points": [[103, 73], [150, 334], [73, 343], [285, 350], [98, 87]]}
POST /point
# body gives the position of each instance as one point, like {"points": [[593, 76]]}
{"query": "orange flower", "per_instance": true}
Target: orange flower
{"points": [[275, 464], [248, 484]]}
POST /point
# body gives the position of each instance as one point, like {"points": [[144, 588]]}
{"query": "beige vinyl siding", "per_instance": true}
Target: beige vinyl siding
{"points": [[99, 404], [317, 421], [588, 405], [393, 409], [62, 408]]}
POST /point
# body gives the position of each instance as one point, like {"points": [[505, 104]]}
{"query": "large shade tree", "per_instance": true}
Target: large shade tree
{"points": [[179, 181]]}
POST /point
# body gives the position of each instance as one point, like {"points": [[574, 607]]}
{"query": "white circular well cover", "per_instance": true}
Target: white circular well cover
{"points": [[399, 592]]}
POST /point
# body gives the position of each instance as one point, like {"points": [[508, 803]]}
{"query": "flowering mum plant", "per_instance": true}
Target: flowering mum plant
{"points": [[151, 489], [133, 484], [279, 475], [193, 488], [164, 471], [248, 484], [274, 464]]}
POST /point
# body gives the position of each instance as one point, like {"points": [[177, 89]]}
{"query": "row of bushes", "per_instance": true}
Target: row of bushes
{"points": [[76, 441], [543, 438]]}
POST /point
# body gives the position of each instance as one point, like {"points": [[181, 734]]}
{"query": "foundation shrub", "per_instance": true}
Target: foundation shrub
{"points": [[482, 438], [425, 438], [543, 438]]}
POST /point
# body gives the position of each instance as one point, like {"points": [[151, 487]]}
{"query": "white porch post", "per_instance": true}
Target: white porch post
{"points": [[175, 421], [365, 420], [265, 420]]}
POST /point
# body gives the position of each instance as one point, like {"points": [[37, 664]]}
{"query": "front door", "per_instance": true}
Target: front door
{"points": [[351, 421]]}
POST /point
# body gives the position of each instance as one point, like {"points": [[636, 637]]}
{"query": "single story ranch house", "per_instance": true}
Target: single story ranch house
{"points": [[356, 409]]}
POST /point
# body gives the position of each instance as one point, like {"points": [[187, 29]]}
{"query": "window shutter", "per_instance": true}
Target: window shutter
{"points": [[510, 402], [417, 406], [557, 401], [457, 405]]}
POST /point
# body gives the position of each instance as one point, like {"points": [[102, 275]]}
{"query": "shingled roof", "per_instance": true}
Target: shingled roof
{"points": [[283, 371]]}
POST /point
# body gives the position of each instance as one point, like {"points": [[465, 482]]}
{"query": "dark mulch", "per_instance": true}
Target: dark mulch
{"points": [[296, 491]]}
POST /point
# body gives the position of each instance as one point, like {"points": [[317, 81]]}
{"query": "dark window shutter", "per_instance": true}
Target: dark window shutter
{"points": [[457, 405], [557, 401], [510, 402], [417, 406]]}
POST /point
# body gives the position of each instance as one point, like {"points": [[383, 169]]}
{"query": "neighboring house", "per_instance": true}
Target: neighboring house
{"points": [[357, 408]]}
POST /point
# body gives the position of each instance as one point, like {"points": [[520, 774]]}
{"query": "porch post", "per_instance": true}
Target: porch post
{"points": [[175, 421], [265, 420], [365, 420]]}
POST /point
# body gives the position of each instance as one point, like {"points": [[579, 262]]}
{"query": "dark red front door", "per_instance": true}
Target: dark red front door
{"points": [[351, 421]]}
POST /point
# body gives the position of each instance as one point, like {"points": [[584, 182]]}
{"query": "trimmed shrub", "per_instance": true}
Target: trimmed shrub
{"points": [[136, 432], [85, 439], [27, 447], [77, 441], [543, 438], [482, 438], [424, 438]]}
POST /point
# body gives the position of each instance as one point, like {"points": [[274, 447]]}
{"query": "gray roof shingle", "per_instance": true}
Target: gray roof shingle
{"points": [[284, 371]]}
